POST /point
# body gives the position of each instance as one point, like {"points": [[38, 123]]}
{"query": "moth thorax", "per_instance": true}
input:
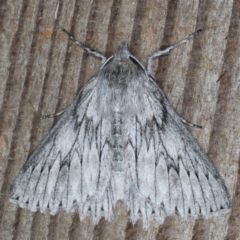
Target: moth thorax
{"points": [[119, 72]]}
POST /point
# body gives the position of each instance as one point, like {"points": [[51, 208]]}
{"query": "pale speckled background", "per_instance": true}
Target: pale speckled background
{"points": [[41, 71]]}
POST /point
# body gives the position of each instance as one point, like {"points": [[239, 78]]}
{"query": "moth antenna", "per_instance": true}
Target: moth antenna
{"points": [[167, 50], [89, 50]]}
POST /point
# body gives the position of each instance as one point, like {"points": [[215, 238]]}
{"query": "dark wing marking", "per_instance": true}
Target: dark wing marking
{"points": [[60, 174], [170, 173]]}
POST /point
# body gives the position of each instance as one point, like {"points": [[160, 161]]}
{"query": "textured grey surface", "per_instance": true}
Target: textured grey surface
{"points": [[41, 71]]}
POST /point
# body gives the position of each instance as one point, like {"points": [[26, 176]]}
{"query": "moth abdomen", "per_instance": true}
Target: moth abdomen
{"points": [[117, 142]]}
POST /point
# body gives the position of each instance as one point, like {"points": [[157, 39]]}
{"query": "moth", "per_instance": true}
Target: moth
{"points": [[121, 140]]}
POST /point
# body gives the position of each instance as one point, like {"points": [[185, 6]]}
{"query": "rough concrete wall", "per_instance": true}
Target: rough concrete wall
{"points": [[41, 71]]}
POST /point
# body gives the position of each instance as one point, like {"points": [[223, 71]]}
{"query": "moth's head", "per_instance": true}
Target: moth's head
{"points": [[122, 63], [122, 52]]}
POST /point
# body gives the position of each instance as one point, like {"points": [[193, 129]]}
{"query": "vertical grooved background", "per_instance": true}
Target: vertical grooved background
{"points": [[41, 71]]}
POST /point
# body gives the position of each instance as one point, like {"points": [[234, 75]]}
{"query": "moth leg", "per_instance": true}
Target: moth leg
{"points": [[54, 114], [190, 124], [167, 50], [89, 50]]}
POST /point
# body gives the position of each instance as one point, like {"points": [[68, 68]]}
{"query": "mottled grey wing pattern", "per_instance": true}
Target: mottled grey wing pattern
{"points": [[60, 174], [170, 171], [121, 140]]}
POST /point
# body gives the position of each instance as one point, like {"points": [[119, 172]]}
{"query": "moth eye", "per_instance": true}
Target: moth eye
{"points": [[108, 61], [136, 62]]}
